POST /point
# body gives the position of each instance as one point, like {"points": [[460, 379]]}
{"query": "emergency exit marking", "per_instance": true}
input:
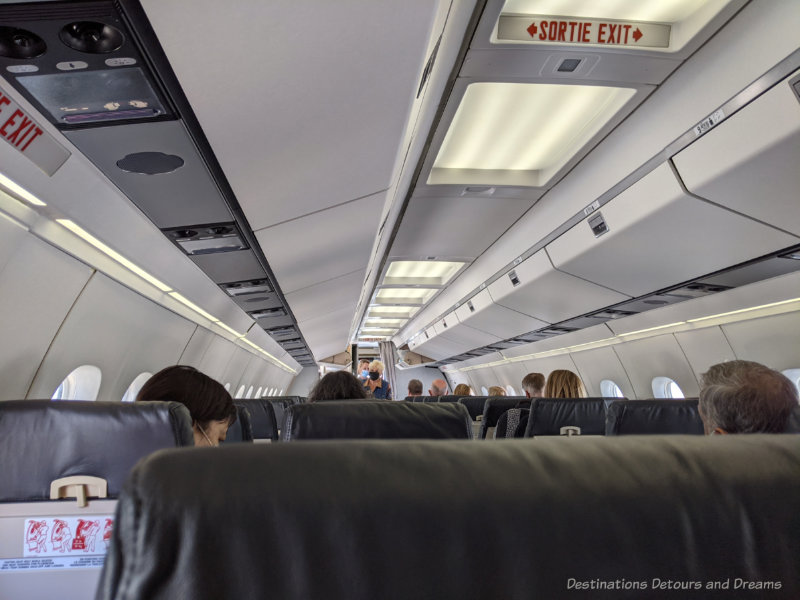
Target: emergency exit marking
{"points": [[25, 135], [566, 30]]}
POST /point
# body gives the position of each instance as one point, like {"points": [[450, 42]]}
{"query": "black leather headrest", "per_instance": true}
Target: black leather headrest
{"points": [[242, 429], [455, 520], [364, 419], [549, 415], [449, 398], [474, 405], [263, 424], [493, 408], [44, 440], [637, 417]]}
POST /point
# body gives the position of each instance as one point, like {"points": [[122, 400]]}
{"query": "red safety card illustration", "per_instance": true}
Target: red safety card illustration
{"points": [[67, 536]]}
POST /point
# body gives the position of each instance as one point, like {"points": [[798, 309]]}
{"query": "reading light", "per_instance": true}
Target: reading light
{"points": [[20, 191], [88, 237]]}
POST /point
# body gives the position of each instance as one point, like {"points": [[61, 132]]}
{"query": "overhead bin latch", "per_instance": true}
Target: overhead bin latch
{"points": [[79, 487], [598, 224]]}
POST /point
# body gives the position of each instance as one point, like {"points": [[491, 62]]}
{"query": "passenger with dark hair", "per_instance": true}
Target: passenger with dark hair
{"points": [[209, 403], [741, 396], [462, 389], [563, 383], [338, 385], [415, 387], [533, 385], [363, 370]]}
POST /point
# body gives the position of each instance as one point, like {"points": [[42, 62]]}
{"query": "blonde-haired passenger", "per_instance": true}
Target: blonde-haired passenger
{"points": [[496, 390], [375, 385], [462, 389], [563, 383]]}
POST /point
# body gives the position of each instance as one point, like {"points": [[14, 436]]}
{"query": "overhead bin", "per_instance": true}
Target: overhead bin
{"points": [[481, 313], [536, 289], [760, 177], [429, 343], [461, 336], [654, 235]]}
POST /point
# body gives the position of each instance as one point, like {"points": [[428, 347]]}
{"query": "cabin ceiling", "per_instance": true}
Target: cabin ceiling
{"points": [[334, 146], [305, 105]]}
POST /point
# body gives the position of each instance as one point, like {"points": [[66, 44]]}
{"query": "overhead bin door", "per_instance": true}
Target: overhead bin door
{"points": [[657, 236], [435, 346], [463, 336], [751, 161], [535, 288], [481, 313]]}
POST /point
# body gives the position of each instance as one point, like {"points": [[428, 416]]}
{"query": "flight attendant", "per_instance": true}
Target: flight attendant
{"points": [[376, 384]]}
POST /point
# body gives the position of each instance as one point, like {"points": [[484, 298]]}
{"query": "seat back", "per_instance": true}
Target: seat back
{"points": [[263, 423], [549, 415], [242, 429], [493, 408], [397, 520], [474, 405], [639, 417], [279, 409], [508, 424], [55, 548], [363, 419], [449, 398]]}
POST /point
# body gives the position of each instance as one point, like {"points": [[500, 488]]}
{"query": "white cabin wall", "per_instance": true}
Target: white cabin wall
{"points": [[301, 385], [659, 356], [704, 347], [116, 330], [773, 340], [602, 363], [59, 313], [38, 285], [425, 374]]}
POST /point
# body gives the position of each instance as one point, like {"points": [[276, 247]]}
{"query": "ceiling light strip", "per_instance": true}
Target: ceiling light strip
{"points": [[88, 237], [20, 191], [744, 310]]}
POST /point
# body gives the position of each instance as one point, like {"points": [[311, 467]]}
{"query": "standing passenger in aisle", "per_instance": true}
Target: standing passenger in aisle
{"points": [[376, 385]]}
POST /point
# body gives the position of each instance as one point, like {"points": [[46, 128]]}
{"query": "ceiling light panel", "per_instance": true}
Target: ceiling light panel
{"points": [[421, 272], [404, 296], [398, 312], [522, 133], [378, 322]]}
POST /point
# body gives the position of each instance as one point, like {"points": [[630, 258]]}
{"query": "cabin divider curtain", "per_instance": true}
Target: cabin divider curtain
{"points": [[389, 359]]}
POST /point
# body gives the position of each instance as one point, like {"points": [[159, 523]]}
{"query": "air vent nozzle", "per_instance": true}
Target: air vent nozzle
{"points": [[91, 37], [207, 239], [20, 43]]}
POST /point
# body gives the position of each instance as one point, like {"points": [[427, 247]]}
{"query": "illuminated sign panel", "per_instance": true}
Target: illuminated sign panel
{"points": [[542, 29]]}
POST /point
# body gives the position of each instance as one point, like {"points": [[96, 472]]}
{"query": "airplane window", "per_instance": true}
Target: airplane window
{"points": [[82, 384], [484, 391], [227, 387], [664, 387], [794, 377], [249, 393], [135, 386], [240, 392], [609, 389], [510, 391], [281, 394], [258, 393]]}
